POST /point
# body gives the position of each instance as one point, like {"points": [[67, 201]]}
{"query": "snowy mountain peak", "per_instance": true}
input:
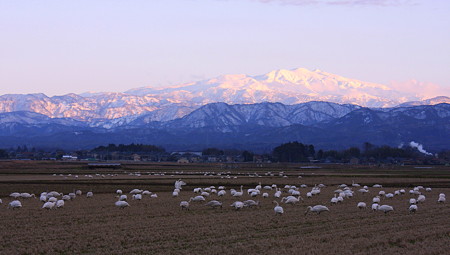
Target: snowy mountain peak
{"points": [[285, 86]]}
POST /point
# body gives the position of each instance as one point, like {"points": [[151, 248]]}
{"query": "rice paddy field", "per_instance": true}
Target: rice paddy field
{"points": [[159, 226]]}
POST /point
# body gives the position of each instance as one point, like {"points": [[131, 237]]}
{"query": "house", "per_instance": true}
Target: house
{"points": [[183, 161]]}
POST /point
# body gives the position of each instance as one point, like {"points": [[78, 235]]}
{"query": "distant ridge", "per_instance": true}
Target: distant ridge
{"points": [[258, 127]]}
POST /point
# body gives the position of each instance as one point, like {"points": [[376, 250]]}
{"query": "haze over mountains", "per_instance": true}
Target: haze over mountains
{"points": [[231, 111]]}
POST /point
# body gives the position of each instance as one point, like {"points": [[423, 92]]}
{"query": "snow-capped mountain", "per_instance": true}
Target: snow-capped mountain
{"points": [[431, 101], [288, 87]]}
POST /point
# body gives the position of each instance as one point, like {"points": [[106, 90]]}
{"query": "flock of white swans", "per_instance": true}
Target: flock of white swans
{"points": [[210, 196]]}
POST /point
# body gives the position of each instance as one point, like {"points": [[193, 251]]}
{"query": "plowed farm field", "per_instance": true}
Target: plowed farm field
{"points": [[158, 225]]}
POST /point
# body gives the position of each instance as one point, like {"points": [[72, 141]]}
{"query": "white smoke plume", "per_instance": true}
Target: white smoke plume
{"points": [[420, 148]]}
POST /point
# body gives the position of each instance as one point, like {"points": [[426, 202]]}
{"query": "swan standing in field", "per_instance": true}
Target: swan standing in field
{"points": [[123, 198], [66, 198], [421, 198], [59, 203], [146, 192], [15, 204], [1, 201], [441, 198], [119, 192], [363, 190], [43, 198], [154, 195], [278, 209], [49, 205], [184, 205], [89, 194], [27, 195], [15, 195], [72, 195], [221, 193], [317, 209], [137, 197], [197, 199], [291, 200], [265, 195], [375, 207], [237, 205], [376, 200], [361, 205], [251, 203], [214, 204], [355, 184], [78, 193], [136, 191], [385, 208], [122, 204], [239, 193], [413, 208], [277, 193]]}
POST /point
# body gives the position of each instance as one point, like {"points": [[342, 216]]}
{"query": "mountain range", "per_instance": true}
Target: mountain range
{"points": [[231, 111]]}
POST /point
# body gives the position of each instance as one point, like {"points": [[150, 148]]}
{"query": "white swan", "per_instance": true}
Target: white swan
{"points": [[136, 191], [48, 205], [221, 193], [123, 198], [334, 200], [197, 199], [376, 199], [355, 184], [137, 197], [361, 205], [15, 195], [421, 198], [119, 192], [278, 209], [375, 206], [251, 203], [237, 205], [89, 194], [239, 194], [277, 193], [214, 204], [184, 205], [317, 209], [27, 195], [385, 208], [413, 208], [122, 204], [15, 204], [43, 198], [59, 203]]}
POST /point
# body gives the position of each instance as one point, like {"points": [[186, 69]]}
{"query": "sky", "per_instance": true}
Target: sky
{"points": [[58, 47]]}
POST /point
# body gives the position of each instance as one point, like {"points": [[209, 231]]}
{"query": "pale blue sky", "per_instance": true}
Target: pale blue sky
{"points": [[57, 47]]}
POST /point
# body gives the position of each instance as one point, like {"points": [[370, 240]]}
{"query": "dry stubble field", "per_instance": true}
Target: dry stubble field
{"points": [[159, 226]]}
